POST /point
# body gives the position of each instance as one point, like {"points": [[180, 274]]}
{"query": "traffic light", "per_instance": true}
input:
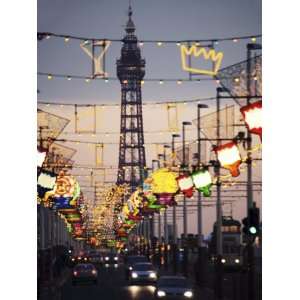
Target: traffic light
{"points": [[245, 222], [254, 220]]}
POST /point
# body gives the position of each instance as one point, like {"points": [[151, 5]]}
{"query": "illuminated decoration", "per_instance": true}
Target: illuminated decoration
{"points": [[61, 202], [252, 114], [164, 181], [186, 185], [45, 183], [229, 157], [167, 199], [41, 158], [203, 181], [73, 217], [210, 55], [65, 185], [89, 48], [164, 186]]}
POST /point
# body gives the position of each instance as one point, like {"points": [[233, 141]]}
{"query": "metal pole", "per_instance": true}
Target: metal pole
{"points": [[184, 198], [219, 204]]}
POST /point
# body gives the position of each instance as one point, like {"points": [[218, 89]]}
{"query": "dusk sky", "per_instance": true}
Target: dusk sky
{"points": [[157, 20]]}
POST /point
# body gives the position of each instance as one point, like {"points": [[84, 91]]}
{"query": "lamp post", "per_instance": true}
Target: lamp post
{"points": [[184, 168], [166, 235], [185, 256], [199, 203], [159, 218], [174, 136]]}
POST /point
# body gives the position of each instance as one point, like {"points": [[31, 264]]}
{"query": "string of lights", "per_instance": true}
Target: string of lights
{"points": [[67, 38], [160, 81]]}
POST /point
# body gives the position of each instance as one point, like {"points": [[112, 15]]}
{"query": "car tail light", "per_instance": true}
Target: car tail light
{"points": [[75, 273]]}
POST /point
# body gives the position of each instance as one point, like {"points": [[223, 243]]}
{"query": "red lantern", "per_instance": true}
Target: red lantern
{"points": [[229, 157], [186, 185], [253, 117]]}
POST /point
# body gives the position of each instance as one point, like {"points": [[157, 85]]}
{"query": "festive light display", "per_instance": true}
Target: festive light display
{"points": [[252, 114], [229, 157], [203, 181], [186, 185], [41, 158], [208, 55]]}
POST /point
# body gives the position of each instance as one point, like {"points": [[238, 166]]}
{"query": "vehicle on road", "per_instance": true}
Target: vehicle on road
{"points": [[173, 287], [111, 258], [84, 273], [143, 273], [132, 260]]}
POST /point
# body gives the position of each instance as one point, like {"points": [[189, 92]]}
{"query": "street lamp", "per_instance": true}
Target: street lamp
{"points": [[199, 204], [185, 123]]}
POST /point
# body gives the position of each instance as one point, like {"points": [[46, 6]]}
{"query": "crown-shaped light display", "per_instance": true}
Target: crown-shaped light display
{"points": [[202, 53]]}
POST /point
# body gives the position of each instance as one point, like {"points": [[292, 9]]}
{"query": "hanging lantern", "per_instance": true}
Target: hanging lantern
{"points": [[252, 115], [229, 157], [203, 181], [166, 199], [186, 185]]}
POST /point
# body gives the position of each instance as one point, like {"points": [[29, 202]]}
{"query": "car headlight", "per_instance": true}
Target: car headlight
{"points": [[237, 261], [223, 260], [134, 275], [152, 275], [106, 258], [161, 293], [85, 258], [115, 258], [130, 268], [188, 294]]}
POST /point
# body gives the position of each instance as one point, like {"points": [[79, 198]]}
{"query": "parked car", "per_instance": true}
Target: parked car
{"points": [[170, 287], [143, 273], [84, 273], [131, 260]]}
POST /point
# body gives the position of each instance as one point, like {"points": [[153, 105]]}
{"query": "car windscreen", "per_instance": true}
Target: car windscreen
{"points": [[143, 267], [176, 282]]}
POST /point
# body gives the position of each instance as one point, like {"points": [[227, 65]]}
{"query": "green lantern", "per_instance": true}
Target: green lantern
{"points": [[202, 181]]}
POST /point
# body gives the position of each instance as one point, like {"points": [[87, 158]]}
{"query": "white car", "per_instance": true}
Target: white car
{"points": [[173, 287], [143, 273]]}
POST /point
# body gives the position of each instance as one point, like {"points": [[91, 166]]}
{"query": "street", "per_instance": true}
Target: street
{"points": [[113, 286]]}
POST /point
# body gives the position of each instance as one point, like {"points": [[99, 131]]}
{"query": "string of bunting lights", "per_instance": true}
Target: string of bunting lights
{"points": [[67, 38]]}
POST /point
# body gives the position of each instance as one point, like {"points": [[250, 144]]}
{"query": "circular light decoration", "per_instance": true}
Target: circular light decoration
{"points": [[252, 115], [65, 185], [229, 157], [203, 181], [186, 185]]}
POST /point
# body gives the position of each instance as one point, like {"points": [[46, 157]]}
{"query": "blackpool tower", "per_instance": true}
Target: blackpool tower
{"points": [[130, 72]]}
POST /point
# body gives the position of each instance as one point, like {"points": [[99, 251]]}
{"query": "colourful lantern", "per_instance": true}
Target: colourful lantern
{"points": [[203, 181], [252, 115], [229, 157], [186, 185], [167, 199], [164, 181]]}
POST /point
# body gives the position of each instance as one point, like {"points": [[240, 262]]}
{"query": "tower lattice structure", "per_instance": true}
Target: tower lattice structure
{"points": [[131, 71]]}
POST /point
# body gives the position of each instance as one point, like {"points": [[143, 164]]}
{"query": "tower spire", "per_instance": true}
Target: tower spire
{"points": [[130, 27]]}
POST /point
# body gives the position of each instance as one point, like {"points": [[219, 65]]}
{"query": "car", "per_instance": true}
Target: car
{"points": [[131, 260], [173, 287], [143, 273], [84, 273], [95, 257], [110, 258]]}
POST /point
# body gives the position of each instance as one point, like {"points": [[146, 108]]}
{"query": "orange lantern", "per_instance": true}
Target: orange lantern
{"points": [[229, 157]]}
